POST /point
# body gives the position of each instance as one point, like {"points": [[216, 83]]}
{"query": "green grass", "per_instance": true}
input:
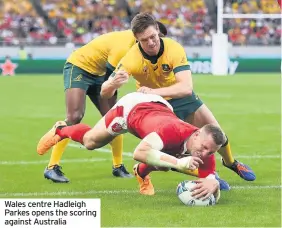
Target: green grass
{"points": [[246, 105]]}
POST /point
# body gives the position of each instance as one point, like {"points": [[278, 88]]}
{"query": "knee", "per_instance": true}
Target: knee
{"points": [[74, 118], [88, 142], [136, 155]]}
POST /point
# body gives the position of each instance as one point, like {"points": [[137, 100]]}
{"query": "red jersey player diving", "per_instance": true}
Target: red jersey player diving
{"points": [[167, 142]]}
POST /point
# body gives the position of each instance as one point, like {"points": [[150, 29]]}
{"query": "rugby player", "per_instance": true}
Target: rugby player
{"points": [[84, 72], [160, 67], [167, 142]]}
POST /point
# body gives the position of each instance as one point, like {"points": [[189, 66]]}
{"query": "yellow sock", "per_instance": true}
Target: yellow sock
{"points": [[117, 148], [57, 152], [194, 173], [226, 154]]}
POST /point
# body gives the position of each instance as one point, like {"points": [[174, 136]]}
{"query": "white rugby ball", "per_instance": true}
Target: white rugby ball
{"points": [[183, 192]]}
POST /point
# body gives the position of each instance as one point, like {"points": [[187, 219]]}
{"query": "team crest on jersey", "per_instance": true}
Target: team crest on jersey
{"points": [[117, 127], [166, 67]]}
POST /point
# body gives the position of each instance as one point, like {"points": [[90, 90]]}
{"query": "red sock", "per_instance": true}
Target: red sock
{"points": [[74, 132], [144, 169]]}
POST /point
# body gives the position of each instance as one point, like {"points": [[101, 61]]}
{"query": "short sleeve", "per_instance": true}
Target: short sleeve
{"points": [[178, 58], [115, 56], [208, 167], [126, 62], [169, 135]]}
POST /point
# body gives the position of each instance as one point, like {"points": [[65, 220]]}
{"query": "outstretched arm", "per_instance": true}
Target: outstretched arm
{"points": [[149, 151]]}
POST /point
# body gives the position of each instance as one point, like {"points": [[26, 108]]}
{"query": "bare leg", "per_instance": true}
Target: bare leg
{"points": [[75, 105], [98, 136]]}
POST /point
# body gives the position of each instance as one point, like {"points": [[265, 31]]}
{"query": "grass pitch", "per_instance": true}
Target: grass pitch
{"points": [[246, 105]]}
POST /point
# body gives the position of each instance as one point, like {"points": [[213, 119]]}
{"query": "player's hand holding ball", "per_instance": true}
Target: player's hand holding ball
{"points": [[204, 188]]}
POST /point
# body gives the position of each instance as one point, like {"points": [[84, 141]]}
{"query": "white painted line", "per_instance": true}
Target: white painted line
{"points": [[82, 160], [256, 187], [257, 156], [111, 192], [105, 150], [129, 154]]}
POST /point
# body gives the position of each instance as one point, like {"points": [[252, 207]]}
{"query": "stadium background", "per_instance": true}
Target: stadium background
{"points": [[37, 36]]}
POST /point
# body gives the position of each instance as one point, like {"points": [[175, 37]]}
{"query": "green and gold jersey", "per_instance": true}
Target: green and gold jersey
{"points": [[104, 50], [158, 71]]}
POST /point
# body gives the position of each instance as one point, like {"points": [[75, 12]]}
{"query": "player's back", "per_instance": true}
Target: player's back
{"points": [[148, 117], [93, 56]]}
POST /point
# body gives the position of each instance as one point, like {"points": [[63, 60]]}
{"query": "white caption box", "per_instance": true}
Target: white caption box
{"points": [[49, 213]]}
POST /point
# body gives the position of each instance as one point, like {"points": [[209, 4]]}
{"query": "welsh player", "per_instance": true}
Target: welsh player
{"points": [[84, 72], [160, 67], [167, 142]]}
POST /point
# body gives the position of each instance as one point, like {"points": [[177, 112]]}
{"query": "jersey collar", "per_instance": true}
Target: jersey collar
{"points": [[185, 151]]}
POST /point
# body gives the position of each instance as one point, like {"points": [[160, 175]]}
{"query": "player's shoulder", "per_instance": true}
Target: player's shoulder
{"points": [[118, 37], [170, 42], [133, 52], [128, 34]]}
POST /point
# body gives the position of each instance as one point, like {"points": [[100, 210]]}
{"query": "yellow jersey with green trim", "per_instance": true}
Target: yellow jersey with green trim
{"points": [[105, 49], [158, 71]]}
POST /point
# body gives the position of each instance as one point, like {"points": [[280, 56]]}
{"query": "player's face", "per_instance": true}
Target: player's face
{"points": [[149, 40], [203, 145]]}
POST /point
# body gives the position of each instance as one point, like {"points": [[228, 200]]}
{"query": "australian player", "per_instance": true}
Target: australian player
{"points": [[84, 72], [160, 67], [167, 142]]}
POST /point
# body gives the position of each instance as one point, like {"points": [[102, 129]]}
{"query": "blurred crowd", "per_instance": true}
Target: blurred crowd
{"points": [[79, 21]]}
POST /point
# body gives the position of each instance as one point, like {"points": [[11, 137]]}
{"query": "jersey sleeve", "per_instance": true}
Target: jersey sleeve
{"points": [[127, 62], [178, 58], [208, 167], [115, 56], [170, 136]]}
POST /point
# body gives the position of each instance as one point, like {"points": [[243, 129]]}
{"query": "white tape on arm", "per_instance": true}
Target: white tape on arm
{"points": [[154, 155]]}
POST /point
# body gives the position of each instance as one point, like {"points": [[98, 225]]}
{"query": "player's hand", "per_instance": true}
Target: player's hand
{"points": [[195, 163], [145, 90], [189, 162], [204, 188], [121, 77]]}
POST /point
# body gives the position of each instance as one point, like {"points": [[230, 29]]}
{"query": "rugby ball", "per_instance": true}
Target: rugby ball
{"points": [[184, 192]]}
